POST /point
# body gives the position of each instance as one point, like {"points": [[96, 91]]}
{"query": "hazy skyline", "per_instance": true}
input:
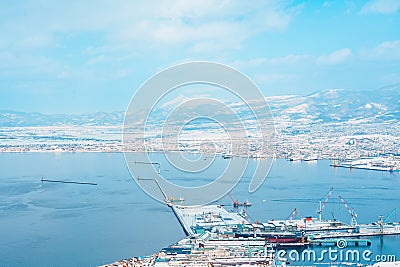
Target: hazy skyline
{"points": [[72, 57]]}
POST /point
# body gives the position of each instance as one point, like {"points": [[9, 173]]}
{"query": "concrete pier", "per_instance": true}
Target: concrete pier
{"points": [[205, 216]]}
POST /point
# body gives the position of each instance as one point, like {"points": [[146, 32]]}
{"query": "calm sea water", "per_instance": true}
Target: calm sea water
{"points": [[54, 224]]}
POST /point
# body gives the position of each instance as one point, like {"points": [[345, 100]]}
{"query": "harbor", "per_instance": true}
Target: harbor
{"points": [[118, 221], [370, 163], [230, 235], [217, 236]]}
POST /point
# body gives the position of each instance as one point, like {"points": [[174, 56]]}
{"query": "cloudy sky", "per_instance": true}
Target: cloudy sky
{"points": [[86, 56]]}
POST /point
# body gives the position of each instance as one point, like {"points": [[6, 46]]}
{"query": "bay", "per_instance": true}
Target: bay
{"points": [[55, 224]]}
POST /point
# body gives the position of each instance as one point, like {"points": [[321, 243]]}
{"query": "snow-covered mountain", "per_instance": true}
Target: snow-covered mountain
{"points": [[20, 119], [331, 105], [340, 105]]}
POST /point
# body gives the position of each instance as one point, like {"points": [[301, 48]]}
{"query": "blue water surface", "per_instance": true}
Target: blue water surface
{"points": [[55, 224]]}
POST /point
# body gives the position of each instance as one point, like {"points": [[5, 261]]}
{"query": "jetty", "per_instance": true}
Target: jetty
{"points": [[66, 182], [205, 217]]}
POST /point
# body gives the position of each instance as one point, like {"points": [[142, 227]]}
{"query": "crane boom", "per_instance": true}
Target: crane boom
{"points": [[235, 202], [389, 215], [351, 211], [293, 213], [291, 216], [323, 204], [231, 197]]}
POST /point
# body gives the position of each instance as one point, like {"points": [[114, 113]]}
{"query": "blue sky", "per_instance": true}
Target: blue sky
{"points": [[86, 56]]}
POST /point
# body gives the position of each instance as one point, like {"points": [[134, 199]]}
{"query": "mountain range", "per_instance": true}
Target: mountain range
{"points": [[340, 105], [331, 105], [10, 118]]}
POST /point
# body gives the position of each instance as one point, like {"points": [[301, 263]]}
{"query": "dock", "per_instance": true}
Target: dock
{"points": [[205, 216], [337, 241], [373, 164], [218, 237]]}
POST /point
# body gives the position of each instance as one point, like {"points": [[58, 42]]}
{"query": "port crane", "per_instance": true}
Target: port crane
{"points": [[323, 204], [352, 212], [382, 221], [389, 215], [237, 204], [294, 213]]}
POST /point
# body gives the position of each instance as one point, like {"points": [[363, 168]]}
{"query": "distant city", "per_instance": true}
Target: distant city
{"points": [[330, 124]]}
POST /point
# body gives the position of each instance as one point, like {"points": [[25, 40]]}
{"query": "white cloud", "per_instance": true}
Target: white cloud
{"points": [[380, 7], [81, 34], [335, 57], [157, 22], [384, 51]]}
